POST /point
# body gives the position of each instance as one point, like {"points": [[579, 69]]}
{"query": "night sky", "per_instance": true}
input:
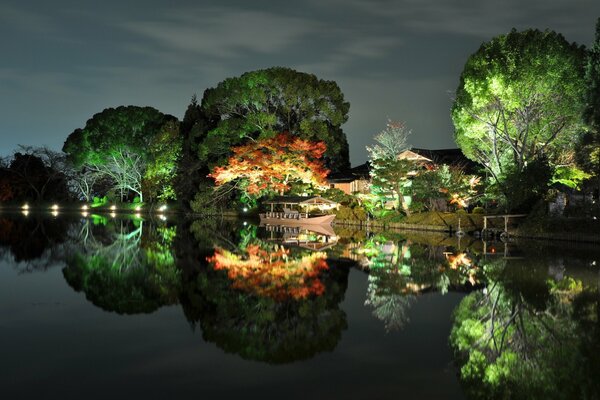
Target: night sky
{"points": [[63, 61]]}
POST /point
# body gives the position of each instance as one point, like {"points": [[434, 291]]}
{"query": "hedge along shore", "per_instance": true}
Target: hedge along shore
{"points": [[514, 232]]}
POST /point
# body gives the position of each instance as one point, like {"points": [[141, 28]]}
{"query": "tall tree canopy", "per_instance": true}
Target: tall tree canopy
{"points": [[592, 77], [120, 142], [588, 154], [265, 102], [520, 99]]}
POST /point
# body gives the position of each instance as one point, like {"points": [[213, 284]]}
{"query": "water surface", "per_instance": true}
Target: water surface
{"points": [[99, 307]]}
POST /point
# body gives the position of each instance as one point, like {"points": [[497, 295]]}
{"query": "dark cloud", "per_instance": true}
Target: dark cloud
{"points": [[63, 61]]}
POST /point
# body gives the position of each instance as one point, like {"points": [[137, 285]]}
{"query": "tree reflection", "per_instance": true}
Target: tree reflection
{"points": [[266, 302], [34, 243], [400, 270], [528, 336], [122, 267]]}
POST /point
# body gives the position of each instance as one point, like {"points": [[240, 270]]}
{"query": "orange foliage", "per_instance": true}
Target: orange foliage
{"points": [[462, 262], [273, 274], [272, 164]]}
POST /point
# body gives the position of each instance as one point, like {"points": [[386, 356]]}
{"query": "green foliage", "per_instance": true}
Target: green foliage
{"points": [[119, 143], [571, 177], [588, 151], [261, 103], [478, 210], [99, 201], [127, 271], [390, 181], [524, 188], [353, 214], [164, 153], [592, 76], [519, 99], [521, 337]]}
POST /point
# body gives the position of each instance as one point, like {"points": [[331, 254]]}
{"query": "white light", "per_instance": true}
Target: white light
{"points": [[162, 217], [245, 223], [113, 207], [25, 212], [113, 215], [138, 215], [84, 207], [162, 208], [54, 213], [54, 207], [25, 206], [245, 209], [138, 208], [84, 213]]}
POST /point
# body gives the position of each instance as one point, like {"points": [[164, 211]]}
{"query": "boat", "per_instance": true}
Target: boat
{"points": [[289, 216], [312, 237]]}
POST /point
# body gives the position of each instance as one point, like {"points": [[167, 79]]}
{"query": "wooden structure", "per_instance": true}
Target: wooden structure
{"points": [[495, 231], [290, 216]]}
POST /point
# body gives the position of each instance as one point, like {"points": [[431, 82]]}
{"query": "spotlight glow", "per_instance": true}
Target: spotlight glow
{"points": [[84, 207], [25, 206], [162, 208], [113, 207]]}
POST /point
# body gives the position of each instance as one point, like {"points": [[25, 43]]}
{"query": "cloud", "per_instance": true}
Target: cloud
{"points": [[483, 18], [22, 19], [222, 32]]}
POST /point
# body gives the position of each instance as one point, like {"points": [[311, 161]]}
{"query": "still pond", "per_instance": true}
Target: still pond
{"points": [[101, 307]]}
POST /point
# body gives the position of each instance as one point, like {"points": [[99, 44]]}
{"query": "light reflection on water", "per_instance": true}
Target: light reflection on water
{"points": [[371, 312]]}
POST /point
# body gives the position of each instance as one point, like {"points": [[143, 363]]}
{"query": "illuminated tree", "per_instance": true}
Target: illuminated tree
{"points": [[519, 100], [391, 175], [588, 154], [164, 152], [271, 165], [116, 143], [388, 172], [262, 103], [390, 142]]}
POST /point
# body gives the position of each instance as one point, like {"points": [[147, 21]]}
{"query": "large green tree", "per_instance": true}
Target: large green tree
{"points": [[265, 102], [588, 154], [120, 143], [520, 99]]}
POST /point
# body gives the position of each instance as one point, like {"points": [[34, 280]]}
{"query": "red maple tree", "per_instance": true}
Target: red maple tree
{"points": [[272, 164]]}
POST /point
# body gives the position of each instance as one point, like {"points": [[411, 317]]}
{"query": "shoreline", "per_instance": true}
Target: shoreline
{"points": [[370, 225]]}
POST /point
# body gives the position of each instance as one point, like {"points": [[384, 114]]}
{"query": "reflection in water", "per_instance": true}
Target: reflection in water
{"points": [[399, 270], [122, 267], [273, 272], [33, 244], [529, 334], [267, 302], [528, 326]]}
